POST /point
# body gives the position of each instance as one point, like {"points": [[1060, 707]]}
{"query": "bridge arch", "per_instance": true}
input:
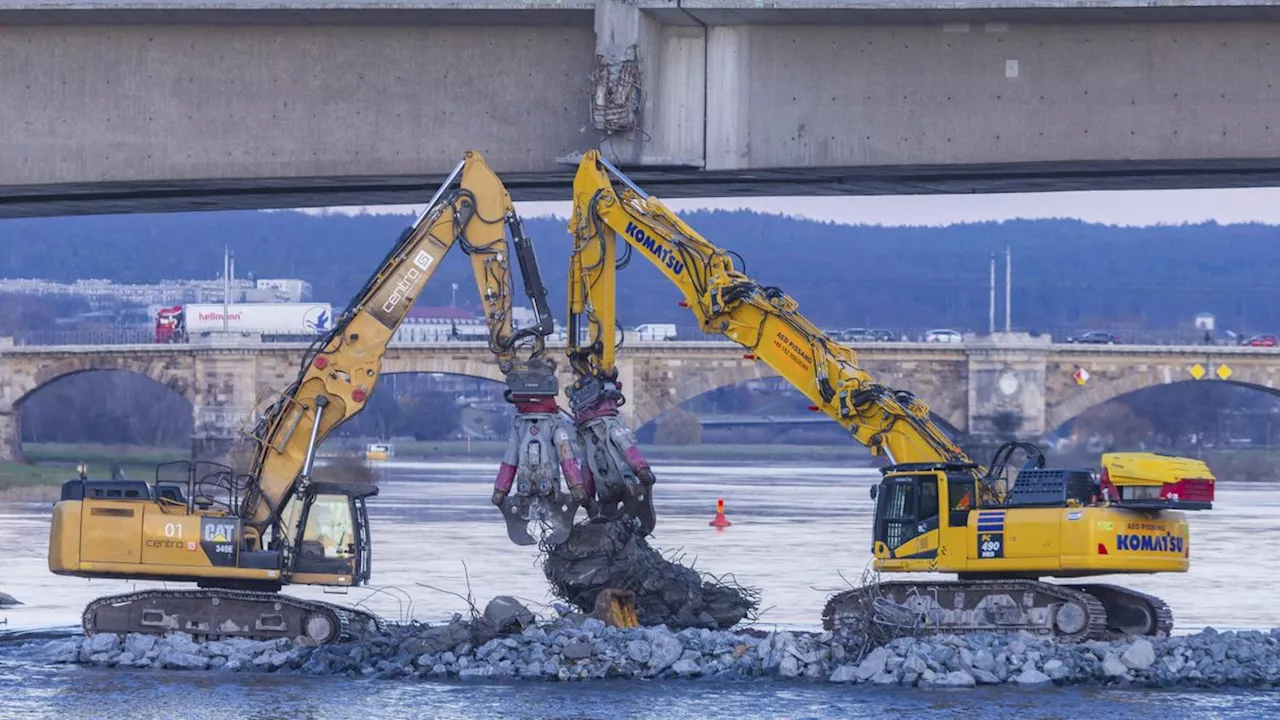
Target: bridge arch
{"points": [[1067, 402], [25, 374], [28, 374], [673, 384], [661, 387], [474, 365]]}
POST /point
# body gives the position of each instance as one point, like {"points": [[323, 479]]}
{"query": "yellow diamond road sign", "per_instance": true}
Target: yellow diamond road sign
{"points": [[1197, 371], [1223, 372]]}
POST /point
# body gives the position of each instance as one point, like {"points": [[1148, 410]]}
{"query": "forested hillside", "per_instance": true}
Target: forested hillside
{"points": [[1065, 273]]}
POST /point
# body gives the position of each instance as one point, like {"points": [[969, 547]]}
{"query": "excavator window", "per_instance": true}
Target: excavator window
{"points": [[928, 503], [327, 542], [898, 524], [909, 507], [328, 532], [960, 498]]}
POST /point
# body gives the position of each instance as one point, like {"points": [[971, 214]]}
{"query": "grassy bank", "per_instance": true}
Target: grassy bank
{"points": [[456, 450], [133, 455], [1251, 465], [49, 465], [1234, 464]]}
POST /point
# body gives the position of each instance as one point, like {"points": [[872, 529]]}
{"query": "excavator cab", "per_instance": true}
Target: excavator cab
{"points": [[329, 532], [910, 504]]}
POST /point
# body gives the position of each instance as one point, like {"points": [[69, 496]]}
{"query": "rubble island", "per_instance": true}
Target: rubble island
{"points": [[507, 641]]}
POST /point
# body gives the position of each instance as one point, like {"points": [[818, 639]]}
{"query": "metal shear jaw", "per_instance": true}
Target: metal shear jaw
{"points": [[554, 515], [638, 499]]}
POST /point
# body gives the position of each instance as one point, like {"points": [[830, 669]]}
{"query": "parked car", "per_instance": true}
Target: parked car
{"points": [[1220, 337], [866, 335], [653, 331], [943, 336], [872, 336], [1261, 341], [1095, 337]]}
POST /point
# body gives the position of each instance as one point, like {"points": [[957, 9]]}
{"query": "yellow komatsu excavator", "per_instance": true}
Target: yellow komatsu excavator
{"points": [[936, 510], [242, 538]]}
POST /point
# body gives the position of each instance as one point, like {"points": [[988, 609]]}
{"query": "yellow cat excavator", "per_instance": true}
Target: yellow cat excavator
{"points": [[936, 511], [242, 538]]}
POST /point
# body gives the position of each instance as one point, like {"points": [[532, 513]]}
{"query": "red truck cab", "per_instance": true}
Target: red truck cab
{"points": [[170, 327]]}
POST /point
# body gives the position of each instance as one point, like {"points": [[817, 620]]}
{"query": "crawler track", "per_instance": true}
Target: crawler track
{"points": [[214, 614], [973, 606], [1131, 612]]}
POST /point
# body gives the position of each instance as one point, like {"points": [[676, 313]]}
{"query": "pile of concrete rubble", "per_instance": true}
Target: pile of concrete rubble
{"points": [[507, 641], [616, 555]]}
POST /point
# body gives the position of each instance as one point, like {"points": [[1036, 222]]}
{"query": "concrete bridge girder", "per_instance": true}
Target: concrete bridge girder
{"points": [[362, 103]]}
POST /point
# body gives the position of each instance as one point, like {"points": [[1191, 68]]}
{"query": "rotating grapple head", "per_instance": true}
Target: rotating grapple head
{"points": [[620, 473], [539, 452]]}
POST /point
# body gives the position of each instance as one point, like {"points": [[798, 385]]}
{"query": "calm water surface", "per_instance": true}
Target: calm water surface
{"points": [[796, 531]]}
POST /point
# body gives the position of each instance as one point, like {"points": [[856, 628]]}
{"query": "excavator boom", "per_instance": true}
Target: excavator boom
{"points": [[764, 320], [340, 370]]}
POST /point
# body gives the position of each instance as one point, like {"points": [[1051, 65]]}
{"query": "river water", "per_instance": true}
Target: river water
{"points": [[796, 531]]}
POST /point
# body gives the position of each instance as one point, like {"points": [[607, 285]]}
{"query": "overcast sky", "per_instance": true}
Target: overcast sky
{"points": [[1130, 207]]}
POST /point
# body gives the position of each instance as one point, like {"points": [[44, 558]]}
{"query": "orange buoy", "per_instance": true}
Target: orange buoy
{"points": [[720, 521]]}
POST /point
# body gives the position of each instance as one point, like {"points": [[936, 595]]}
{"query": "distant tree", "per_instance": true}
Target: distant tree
{"points": [[429, 415], [107, 406], [378, 419], [1118, 421], [1067, 274], [346, 469], [678, 427], [1179, 410], [23, 313]]}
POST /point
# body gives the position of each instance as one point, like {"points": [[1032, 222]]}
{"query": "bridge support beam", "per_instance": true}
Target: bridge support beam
{"points": [[213, 449], [226, 391], [10, 436], [649, 85], [1007, 387]]}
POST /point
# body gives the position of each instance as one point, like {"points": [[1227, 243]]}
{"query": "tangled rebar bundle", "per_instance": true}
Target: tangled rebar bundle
{"points": [[615, 554]]}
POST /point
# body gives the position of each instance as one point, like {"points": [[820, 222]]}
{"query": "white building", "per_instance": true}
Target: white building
{"points": [[292, 288], [440, 324], [166, 292]]}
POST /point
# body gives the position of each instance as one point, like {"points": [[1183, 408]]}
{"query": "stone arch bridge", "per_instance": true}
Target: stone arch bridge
{"points": [[986, 388]]}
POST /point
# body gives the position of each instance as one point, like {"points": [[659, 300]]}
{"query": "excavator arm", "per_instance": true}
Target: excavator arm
{"points": [[341, 369], [764, 320], [620, 474]]}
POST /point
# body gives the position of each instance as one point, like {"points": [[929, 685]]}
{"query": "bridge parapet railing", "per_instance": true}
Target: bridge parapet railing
{"points": [[147, 336], [222, 421], [111, 336], [682, 334], [1156, 336]]}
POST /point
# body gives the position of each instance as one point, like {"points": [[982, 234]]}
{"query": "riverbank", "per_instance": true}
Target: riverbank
{"points": [[486, 451], [50, 464], [47, 466], [574, 647]]}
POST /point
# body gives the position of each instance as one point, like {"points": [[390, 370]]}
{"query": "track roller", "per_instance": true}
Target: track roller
{"points": [[215, 614]]}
